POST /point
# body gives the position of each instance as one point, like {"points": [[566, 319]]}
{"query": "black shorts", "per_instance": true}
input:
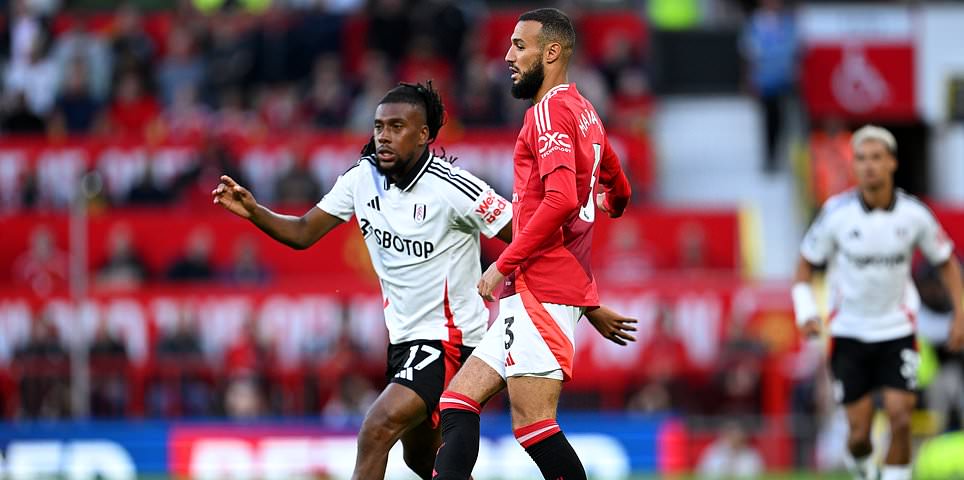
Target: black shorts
{"points": [[862, 367], [426, 367]]}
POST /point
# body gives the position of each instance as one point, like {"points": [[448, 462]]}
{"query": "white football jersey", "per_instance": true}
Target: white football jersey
{"points": [[423, 238], [868, 255]]}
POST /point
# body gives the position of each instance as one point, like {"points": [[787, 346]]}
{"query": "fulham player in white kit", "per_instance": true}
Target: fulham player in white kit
{"points": [[421, 218], [866, 238]]}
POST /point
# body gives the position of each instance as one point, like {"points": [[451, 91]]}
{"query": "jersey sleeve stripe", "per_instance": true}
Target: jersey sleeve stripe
{"points": [[455, 178], [537, 113], [471, 183], [456, 185], [546, 118]]}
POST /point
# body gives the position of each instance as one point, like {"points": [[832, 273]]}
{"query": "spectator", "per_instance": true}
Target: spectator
{"points": [[692, 247], [181, 67], [81, 45], [243, 398], [246, 354], [133, 109], [186, 116], [352, 399], [26, 27], [618, 57], [422, 63], [182, 387], [273, 45], [389, 27], [632, 102], [108, 363], [664, 360], [246, 267], [376, 80], [228, 59], [297, 186], [19, 119], [831, 160], [731, 456], [43, 267], [133, 50], [480, 97], [124, 266], [328, 96], [44, 370], [77, 110], [244, 363], [193, 187], [36, 78], [232, 118], [146, 191], [770, 46], [278, 108], [627, 259], [590, 82], [195, 265]]}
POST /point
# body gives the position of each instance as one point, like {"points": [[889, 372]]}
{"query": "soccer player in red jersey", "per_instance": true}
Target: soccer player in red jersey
{"points": [[561, 153]]}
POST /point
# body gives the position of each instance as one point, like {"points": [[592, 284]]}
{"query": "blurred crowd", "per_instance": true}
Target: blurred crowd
{"points": [[280, 68]]}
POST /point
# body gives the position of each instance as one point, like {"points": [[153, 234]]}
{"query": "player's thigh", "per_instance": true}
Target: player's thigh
{"points": [[896, 363], [852, 369], [533, 399], [396, 410], [860, 416], [477, 380], [539, 337], [899, 404], [421, 367]]}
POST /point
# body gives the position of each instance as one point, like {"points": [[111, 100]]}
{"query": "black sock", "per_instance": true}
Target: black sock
{"points": [[548, 447], [460, 437]]}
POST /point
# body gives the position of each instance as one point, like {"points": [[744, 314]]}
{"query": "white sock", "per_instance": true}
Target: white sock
{"points": [[895, 472], [863, 468]]}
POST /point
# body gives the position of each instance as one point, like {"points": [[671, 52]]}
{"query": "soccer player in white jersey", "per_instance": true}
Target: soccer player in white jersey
{"points": [[866, 238], [421, 218]]}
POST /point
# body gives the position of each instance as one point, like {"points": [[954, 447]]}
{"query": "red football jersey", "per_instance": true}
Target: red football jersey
{"points": [[561, 131]]}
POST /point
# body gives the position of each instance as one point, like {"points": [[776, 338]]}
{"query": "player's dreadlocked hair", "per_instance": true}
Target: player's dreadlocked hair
{"points": [[421, 95]]}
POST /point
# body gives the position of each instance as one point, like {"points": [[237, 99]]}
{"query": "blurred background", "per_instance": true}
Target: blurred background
{"points": [[144, 330]]}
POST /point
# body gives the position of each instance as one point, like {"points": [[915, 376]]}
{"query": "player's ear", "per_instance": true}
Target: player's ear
{"points": [[552, 53], [423, 135]]}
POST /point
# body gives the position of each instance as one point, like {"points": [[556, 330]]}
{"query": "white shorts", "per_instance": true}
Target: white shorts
{"points": [[531, 339]]}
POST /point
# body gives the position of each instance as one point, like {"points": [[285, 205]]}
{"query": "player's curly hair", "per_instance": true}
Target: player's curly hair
{"points": [[421, 95]]}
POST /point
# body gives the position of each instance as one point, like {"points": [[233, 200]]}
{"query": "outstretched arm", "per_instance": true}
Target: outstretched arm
{"points": [[296, 232]]}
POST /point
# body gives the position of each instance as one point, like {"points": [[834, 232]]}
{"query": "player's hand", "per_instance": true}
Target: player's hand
{"points": [[602, 201], [234, 198], [491, 279], [612, 326], [811, 328], [955, 341]]}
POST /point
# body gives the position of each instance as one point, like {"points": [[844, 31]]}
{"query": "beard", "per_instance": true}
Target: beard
{"points": [[396, 169], [529, 83]]}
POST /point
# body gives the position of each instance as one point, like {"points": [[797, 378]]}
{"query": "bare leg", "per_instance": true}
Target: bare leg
{"points": [[396, 411], [899, 404], [860, 415]]}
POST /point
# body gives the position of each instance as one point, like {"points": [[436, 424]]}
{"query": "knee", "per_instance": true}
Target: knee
{"points": [[380, 430], [859, 437], [899, 422]]}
